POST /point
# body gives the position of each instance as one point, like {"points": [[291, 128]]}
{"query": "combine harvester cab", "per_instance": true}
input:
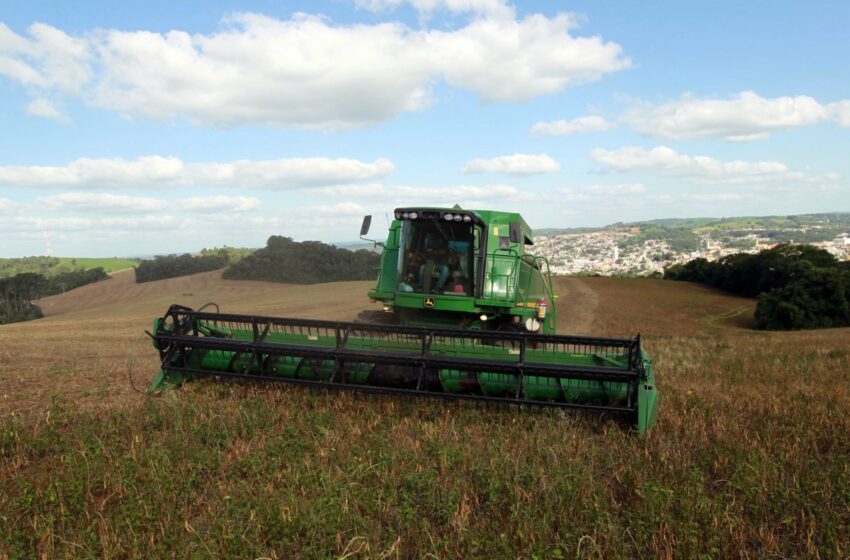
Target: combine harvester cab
{"points": [[467, 314]]}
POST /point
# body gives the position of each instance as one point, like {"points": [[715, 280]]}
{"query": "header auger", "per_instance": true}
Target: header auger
{"points": [[467, 314]]}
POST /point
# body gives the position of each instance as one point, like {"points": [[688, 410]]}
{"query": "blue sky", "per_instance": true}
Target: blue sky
{"points": [[151, 127]]}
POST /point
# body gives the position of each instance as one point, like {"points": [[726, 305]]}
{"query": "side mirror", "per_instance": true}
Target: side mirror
{"points": [[516, 232], [364, 227]]}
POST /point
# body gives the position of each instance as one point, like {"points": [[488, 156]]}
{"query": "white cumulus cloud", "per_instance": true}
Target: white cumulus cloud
{"points": [[516, 164], [840, 112], [46, 109], [91, 227], [48, 59], [491, 8], [216, 204], [519, 59], [100, 202], [158, 171], [108, 203], [307, 71], [743, 117], [579, 125], [667, 162]]}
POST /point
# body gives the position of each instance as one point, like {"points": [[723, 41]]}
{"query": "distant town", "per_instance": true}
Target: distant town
{"points": [[646, 248]]}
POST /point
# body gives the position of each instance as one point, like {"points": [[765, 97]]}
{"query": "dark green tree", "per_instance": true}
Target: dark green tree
{"points": [[797, 286], [307, 262], [172, 266]]}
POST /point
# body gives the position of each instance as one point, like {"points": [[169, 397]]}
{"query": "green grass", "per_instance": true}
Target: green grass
{"points": [[749, 460], [110, 264]]}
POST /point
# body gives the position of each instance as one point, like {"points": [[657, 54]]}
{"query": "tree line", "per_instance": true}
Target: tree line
{"points": [[797, 286], [20, 292], [281, 260], [171, 266], [305, 262]]}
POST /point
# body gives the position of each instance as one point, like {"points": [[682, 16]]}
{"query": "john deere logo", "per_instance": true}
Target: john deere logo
{"points": [[429, 302]]}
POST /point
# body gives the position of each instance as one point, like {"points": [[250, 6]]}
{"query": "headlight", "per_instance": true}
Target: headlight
{"points": [[532, 324], [414, 215], [449, 217], [467, 219], [398, 215], [405, 215], [458, 217]]}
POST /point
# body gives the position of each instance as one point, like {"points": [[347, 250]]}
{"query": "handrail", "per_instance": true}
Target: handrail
{"points": [[550, 290], [508, 292]]}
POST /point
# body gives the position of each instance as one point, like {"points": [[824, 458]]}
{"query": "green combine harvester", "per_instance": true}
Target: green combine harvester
{"points": [[466, 313]]}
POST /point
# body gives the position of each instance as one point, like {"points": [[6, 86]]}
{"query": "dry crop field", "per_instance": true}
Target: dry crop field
{"points": [[749, 458]]}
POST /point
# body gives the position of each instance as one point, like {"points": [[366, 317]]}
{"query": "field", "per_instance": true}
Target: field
{"points": [[749, 458], [111, 264]]}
